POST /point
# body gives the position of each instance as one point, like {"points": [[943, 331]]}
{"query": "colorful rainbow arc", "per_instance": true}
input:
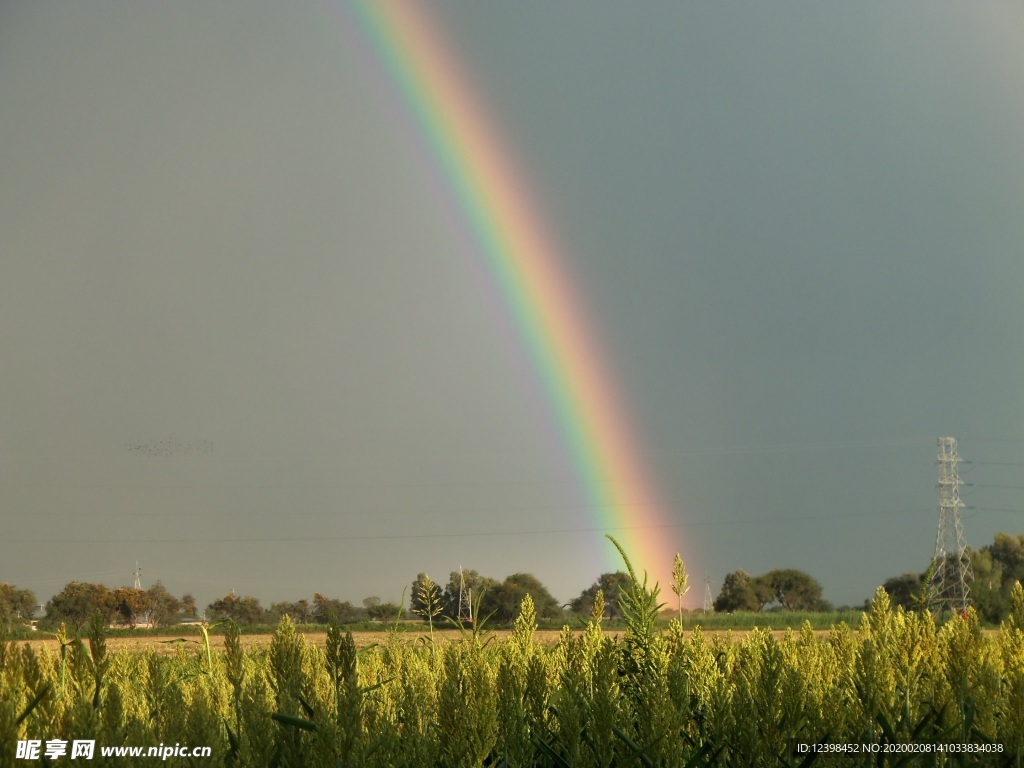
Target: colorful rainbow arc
{"points": [[524, 263]]}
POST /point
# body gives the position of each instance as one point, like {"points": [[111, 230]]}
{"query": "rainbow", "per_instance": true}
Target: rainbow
{"points": [[523, 260]]}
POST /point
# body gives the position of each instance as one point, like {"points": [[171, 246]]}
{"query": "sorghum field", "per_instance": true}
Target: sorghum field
{"points": [[648, 699]]}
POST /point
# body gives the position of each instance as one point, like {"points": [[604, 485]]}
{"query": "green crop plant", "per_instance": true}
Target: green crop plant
{"points": [[467, 711], [648, 697], [521, 689], [679, 583], [430, 602], [1011, 649]]}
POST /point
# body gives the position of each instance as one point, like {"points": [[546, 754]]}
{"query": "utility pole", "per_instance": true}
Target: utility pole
{"points": [[951, 565]]}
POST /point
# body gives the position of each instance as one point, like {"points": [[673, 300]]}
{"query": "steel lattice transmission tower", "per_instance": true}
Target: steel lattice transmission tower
{"points": [[465, 611], [951, 565]]}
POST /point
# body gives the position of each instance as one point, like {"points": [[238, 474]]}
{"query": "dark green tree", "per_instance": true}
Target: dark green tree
{"points": [[384, 611], [131, 604], [990, 592], [792, 589], [16, 603], [737, 594], [482, 588], [610, 584], [243, 610], [1008, 551], [78, 601], [300, 612], [370, 602], [509, 596], [163, 606], [997, 567], [904, 590], [325, 609]]}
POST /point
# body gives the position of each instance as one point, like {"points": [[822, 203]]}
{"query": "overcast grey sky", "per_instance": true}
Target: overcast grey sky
{"points": [[242, 344]]}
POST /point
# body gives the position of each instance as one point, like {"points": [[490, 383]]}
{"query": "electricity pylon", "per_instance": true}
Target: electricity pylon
{"points": [[951, 564], [709, 606], [465, 600]]}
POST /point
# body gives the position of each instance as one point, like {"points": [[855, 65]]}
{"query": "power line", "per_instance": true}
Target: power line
{"points": [[488, 534], [472, 509], [362, 460]]}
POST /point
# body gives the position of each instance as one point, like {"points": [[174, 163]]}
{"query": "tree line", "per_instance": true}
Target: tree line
{"points": [[497, 601], [487, 598], [16, 603], [76, 603], [997, 567], [786, 588]]}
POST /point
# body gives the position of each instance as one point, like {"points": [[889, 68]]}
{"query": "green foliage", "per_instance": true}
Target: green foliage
{"points": [[327, 610], [679, 583], [904, 590], [385, 612], [647, 698], [608, 585], [161, 606], [300, 612], [509, 596], [78, 601], [988, 595], [997, 567], [779, 619], [788, 588], [16, 604], [426, 601], [499, 601], [481, 591], [130, 604], [468, 714], [737, 594], [243, 610], [642, 670], [792, 589]]}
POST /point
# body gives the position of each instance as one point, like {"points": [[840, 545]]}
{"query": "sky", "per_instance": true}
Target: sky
{"points": [[250, 344]]}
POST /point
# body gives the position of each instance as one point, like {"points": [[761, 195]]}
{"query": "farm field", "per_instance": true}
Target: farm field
{"points": [[544, 638], [949, 695], [737, 627]]}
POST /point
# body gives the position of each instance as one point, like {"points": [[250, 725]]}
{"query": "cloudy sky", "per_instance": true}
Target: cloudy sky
{"points": [[243, 342]]}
